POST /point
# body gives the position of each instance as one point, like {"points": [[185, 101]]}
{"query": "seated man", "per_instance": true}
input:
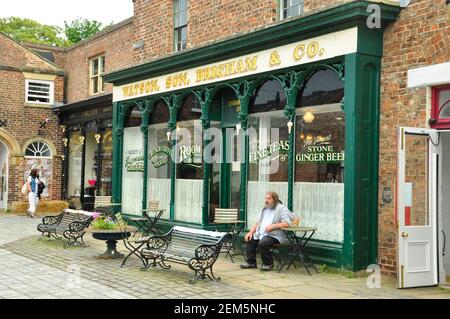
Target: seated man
{"points": [[267, 232]]}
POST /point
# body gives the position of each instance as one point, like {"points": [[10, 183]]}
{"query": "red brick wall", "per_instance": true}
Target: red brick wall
{"points": [[420, 37], [23, 125], [116, 45], [208, 22]]}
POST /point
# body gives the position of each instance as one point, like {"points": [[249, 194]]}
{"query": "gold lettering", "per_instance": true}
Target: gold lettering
{"points": [[200, 75], [148, 87], [155, 85], [229, 68], [126, 91], [299, 52], [251, 63], [141, 88], [275, 59], [219, 70], [136, 89], [168, 82], [313, 49], [240, 67]]}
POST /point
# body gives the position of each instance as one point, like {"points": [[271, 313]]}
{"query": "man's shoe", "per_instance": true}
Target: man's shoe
{"points": [[246, 265], [266, 267]]}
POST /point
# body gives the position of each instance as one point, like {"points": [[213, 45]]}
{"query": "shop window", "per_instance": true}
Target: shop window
{"points": [[106, 162], [159, 158], [291, 8], [39, 92], [268, 147], [38, 149], [91, 160], [189, 167], [440, 107], [180, 24], [133, 163], [76, 141], [96, 70], [320, 156]]}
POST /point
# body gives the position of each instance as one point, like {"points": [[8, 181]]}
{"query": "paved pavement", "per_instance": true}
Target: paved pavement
{"points": [[31, 267]]}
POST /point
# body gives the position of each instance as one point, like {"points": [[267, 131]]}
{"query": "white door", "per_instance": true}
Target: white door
{"points": [[3, 175], [417, 207]]}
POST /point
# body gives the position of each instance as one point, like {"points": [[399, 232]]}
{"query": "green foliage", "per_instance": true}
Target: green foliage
{"points": [[81, 29], [30, 31], [106, 223]]}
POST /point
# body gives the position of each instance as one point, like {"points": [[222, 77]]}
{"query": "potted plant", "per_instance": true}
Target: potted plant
{"points": [[105, 228]]}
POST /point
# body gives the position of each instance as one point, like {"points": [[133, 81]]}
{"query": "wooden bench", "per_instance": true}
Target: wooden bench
{"points": [[69, 224], [196, 248]]}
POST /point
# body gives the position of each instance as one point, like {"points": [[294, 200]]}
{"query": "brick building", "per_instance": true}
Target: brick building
{"points": [[29, 130], [243, 65], [338, 80]]}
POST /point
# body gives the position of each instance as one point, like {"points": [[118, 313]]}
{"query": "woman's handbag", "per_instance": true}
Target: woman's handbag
{"points": [[24, 188]]}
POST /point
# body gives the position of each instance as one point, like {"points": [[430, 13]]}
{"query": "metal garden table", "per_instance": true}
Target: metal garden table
{"points": [[298, 237]]}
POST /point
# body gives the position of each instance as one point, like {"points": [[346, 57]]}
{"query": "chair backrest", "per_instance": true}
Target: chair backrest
{"points": [[120, 221], [153, 205], [224, 215], [102, 201]]}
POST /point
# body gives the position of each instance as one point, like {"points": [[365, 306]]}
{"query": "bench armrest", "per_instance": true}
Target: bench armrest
{"points": [[78, 225], [207, 251], [50, 220], [158, 242]]}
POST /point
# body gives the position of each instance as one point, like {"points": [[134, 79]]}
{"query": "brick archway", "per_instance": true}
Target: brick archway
{"points": [[11, 143]]}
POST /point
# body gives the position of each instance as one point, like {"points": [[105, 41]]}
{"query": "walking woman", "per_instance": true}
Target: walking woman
{"points": [[32, 184]]}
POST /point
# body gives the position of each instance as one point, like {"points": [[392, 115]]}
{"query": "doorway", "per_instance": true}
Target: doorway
{"points": [[444, 208], [4, 154]]}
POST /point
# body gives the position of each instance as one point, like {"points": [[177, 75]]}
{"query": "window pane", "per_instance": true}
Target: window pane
{"points": [[319, 170], [102, 65], [94, 67], [75, 152], [90, 164], [106, 163], [416, 178], [94, 85], [444, 104]]}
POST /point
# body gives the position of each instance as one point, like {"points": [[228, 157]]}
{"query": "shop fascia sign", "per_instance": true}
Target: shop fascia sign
{"points": [[290, 55], [316, 150]]}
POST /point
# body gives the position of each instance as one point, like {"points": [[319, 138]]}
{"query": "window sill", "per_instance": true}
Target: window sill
{"points": [[43, 106]]}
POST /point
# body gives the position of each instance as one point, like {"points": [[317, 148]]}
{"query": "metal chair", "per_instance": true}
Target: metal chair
{"points": [[230, 218]]}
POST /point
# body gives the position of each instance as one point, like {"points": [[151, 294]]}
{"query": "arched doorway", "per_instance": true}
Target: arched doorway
{"points": [[4, 154]]}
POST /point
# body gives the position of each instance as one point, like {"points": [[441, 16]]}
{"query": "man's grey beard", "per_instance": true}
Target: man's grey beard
{"points": [[269, 206]]}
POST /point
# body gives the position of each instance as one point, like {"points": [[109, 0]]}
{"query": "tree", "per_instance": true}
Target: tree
{"points": [[30, 31], [79, 29]]}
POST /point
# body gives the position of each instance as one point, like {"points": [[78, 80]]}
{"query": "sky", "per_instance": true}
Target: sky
{"points": [[54, 12]]}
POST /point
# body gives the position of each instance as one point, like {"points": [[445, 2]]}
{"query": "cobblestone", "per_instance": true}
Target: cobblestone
{"points": [[31, 267]]}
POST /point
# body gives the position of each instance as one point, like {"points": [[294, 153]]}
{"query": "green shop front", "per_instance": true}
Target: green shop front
{"points": [[293, 108]]}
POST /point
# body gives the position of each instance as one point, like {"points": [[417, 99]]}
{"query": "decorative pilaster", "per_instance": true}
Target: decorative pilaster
{"points": [[205, 99], [174, 103], [291, 83], [144, 108], [119, 111], [245, 90]]}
